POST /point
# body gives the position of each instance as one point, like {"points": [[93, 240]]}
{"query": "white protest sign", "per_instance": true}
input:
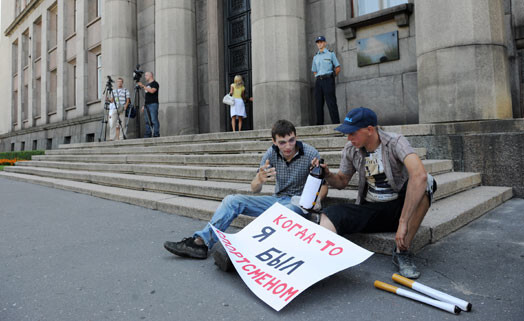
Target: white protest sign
{"points": [[280, 254]]}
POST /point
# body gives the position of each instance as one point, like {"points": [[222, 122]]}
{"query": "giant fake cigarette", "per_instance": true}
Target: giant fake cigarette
{"points": [[463, 305], [451, 308]]}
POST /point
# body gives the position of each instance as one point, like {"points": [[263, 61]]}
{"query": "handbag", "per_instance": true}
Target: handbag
{"points": [[131, 111], [228, 100]]}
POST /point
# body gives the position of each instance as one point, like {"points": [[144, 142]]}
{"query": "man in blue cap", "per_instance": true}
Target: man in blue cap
{"points": [[325, 68], [394, 191]]}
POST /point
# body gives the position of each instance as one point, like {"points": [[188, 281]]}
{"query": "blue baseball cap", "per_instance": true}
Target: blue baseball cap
{"points": [[320, 38], [356, 119]]}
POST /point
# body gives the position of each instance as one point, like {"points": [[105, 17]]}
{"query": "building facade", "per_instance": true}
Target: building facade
{"points": [[419, 61]]}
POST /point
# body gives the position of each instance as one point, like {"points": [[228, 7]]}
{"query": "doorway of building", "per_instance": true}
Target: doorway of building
{"points": [[238, 52]]}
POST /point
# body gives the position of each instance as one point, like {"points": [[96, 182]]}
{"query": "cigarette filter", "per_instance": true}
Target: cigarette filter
{"points": [[463, 305], [451, 308]]}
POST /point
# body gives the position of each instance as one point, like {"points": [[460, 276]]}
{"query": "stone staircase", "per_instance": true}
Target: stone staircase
{"points": [[189, 175]]}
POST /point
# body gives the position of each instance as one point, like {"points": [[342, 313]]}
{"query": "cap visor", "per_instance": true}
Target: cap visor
{"points": [[347, 129]]}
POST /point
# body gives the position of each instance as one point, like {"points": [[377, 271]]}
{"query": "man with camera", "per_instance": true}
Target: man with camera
{"points": [[151, 104], [120, 100]]}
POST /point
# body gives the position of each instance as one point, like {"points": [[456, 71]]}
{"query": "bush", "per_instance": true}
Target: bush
{"points": [[10, 158], [25, 155]]}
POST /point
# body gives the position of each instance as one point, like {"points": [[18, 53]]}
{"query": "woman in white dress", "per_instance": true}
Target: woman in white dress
{"points": [[238, 110]]}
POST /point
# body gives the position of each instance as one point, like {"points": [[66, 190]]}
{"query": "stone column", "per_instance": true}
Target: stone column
{"points": [[60, 62], [44, 118], [81, 57], [119, 41], [215, 75], [280, 67], [175, 61], [462, 61]]}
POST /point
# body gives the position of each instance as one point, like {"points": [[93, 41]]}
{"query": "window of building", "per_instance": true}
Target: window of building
{"points": [[12, 147], [25, 49], [14, 66], [94, 10], [52, 28], [67, 140], [18, 7], [98, 8], [49, 143], [99, 76], [14, 57], [37, 38], [22, 146], [70, 86], [70, 21], [90, 138], [35, 144], [25, 103], [52, 92], [14, 112], [37, 98], [74, 85], [362, 7]]}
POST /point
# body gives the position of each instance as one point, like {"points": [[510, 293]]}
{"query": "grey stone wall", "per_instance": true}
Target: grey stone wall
{"points": [[493, 148], [389, 88], [77, 129]]}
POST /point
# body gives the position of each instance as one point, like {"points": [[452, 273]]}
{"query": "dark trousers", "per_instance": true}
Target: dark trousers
{"points": [[325, 89]]}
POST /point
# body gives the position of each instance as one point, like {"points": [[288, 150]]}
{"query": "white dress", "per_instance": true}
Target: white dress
{"points": [[238, 109]]}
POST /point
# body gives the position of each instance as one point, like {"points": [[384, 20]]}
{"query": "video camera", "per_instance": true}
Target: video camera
{"points": [[137, 73]]}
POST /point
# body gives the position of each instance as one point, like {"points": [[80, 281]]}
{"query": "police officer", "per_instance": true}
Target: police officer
{"points": [[325, 68]]}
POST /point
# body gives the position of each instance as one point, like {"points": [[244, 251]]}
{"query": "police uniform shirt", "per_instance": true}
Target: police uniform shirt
{"points": [[324, 62]]}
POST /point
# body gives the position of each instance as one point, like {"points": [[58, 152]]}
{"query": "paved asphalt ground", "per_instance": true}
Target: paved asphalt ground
{"points": [[69, 256]]}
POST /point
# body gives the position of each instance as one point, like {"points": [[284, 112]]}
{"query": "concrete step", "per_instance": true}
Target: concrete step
{"points": [[251, 159], [239, 174], [315, 131], [444, 217], [250, 135], [321, 144], [449, 183]]}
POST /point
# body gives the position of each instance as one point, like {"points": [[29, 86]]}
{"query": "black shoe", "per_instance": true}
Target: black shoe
{"points": [[222, 259], [187, 248]]}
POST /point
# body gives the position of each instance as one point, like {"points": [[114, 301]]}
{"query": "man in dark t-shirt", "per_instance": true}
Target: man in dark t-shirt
{"points": [[151, 104]]}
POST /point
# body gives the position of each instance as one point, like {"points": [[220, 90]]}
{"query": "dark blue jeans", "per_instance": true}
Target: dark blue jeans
{"points": [[153, 111]]}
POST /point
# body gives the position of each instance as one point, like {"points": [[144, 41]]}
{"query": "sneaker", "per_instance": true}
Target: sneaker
{"points": [[187, 248], [315, 218], [405, 264], [222, 260]]}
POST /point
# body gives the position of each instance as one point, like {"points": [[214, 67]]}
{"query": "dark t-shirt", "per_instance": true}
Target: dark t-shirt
{"points": [[152, 98]]}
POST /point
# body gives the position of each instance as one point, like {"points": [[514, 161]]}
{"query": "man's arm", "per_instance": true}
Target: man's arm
{"points": [[414, 193], [264, 174], [338, 180], [128, 101], [337, 71]]}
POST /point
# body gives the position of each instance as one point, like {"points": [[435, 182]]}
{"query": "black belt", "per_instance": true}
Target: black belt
{"points": [[326, 76]]}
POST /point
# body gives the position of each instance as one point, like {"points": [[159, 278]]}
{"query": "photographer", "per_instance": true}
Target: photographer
{"points": [[120, 100], [151, 104]]}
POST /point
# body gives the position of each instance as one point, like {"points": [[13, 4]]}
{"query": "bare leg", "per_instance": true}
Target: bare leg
{"points": [[326, 223], [239, 123], [233, 122], [117, 135]]}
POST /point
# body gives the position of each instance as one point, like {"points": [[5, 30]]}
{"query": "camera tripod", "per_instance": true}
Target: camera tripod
{"points": [[109, 96]]}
